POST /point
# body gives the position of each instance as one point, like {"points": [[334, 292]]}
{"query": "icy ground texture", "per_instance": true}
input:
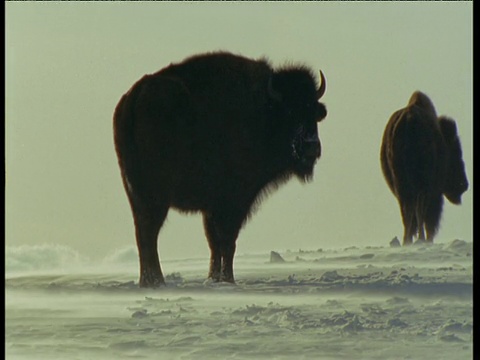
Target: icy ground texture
{"points": [[352, 303]]}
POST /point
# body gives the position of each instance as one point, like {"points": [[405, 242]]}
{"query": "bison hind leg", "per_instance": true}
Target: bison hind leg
{"points": [[409, 221], [148, 222], [420, 211]]}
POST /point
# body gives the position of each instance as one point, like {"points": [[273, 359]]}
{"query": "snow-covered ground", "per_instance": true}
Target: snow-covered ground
{"points": [[352, 303]]}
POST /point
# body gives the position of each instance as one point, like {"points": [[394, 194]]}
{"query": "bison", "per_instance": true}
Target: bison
{"points": [[421, 160], [213, 134]]}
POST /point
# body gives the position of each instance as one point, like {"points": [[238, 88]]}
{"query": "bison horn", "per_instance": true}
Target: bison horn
{"points": [[323, 86], [274, 94]]}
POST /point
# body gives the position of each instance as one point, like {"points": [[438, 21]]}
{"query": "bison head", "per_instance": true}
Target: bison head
{"points": [[456, 182], [297, 107]]}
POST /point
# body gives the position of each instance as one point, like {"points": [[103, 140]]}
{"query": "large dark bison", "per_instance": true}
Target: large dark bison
{"points": [[421, 159], [213, 134]]}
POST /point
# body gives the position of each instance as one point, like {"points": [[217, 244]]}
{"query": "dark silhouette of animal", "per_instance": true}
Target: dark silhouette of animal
{"points": [[421, 159], [212, 134]]}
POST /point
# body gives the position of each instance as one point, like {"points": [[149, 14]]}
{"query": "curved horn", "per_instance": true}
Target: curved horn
{"points": [[274, 94], [323, 86]]}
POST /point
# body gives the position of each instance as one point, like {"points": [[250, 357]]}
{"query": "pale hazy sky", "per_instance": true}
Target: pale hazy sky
{"points": [[68, 64]]}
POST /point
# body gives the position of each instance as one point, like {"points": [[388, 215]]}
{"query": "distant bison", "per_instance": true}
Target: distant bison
{"points": [[213, 134], [421, 159]]}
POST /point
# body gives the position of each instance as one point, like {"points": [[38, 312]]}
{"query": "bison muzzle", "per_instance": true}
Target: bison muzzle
{"points": [[212, 134]]}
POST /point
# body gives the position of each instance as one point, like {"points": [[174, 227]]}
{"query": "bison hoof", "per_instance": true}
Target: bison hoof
{"points": [[151, 281], [422, 242], [151, 284], [218, 279], [215, 276], [228, 280]]}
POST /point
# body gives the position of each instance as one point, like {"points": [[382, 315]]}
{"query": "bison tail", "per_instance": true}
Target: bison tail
{"points": [[123, 130], [433, 216]]}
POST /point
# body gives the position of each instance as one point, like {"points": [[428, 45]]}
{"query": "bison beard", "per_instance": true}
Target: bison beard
{"points": [[212, 134], [421, 159]]}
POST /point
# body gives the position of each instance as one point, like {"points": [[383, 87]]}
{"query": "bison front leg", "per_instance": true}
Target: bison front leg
{"points": [[215, 268], [213, 237], [228, 253], [221, 231], [147, 226]]}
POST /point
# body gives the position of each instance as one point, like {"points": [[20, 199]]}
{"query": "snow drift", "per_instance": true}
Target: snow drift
{"points": [[351, 303]]}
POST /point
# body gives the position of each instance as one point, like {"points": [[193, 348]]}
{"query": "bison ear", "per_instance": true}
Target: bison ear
{"points": [[272, 92], [448, 127]]}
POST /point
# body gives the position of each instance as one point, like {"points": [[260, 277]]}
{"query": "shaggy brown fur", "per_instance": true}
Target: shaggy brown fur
{"points": [[212, 134], [421, 159]]}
